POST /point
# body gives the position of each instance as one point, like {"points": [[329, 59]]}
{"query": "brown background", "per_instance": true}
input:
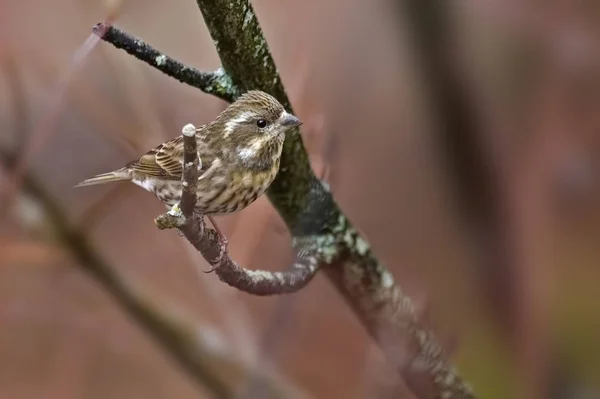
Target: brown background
{"points": [[348, 68]]}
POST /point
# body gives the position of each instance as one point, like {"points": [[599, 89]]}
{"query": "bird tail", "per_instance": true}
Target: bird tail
{"points": [[117, 175]]}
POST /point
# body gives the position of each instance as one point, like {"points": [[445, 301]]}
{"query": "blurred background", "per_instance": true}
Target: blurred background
{"points": [[462, 139]]}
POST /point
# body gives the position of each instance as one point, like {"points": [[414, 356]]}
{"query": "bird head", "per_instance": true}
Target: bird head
{"points": [[257, 115], [255, 125]]}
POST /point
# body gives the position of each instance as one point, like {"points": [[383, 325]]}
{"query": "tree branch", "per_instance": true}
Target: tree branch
{"points": [[320, 231], [216, 83], [312, 216], [208, 242]]}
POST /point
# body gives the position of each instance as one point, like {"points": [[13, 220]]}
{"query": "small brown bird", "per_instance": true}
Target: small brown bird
{"points": [[239, 154]]}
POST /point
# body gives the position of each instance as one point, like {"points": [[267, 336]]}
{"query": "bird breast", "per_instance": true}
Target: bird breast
{"points": [[218, 193], [237, 192]]}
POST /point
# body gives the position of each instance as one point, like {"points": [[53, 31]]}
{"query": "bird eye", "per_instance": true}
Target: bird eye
{"points": [[261, 123]]}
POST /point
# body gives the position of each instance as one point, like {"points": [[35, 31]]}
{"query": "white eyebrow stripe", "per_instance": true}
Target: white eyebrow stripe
{"points": [[230, 125]]}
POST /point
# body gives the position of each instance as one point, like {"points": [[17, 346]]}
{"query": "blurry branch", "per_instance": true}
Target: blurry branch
{"points": [[318, 227], [209, 243], [431, 30], [473, 166], [175, 333], [16, 89], [216, 83], [503, 197]]}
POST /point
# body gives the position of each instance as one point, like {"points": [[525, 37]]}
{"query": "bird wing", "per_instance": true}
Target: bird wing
{"points": [[166, 160]]}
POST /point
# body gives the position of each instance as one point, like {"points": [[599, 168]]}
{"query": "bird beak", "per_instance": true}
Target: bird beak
{"points": [[289, 120]]}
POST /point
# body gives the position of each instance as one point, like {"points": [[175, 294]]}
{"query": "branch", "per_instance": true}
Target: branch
{"points": [[208, 242], [322, 235], [216, 83]]}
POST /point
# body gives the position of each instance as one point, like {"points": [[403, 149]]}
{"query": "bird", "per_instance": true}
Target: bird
{"points": [[239, 154]]}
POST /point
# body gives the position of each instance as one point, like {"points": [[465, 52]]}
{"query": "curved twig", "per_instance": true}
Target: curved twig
{"points": [[207, 240]]}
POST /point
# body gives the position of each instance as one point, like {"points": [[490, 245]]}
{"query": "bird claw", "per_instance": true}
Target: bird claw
{"points": [[223, 248], [223, 243]]}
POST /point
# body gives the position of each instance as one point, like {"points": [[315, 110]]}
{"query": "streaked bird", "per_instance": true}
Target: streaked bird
{"points": [[239, 154]]}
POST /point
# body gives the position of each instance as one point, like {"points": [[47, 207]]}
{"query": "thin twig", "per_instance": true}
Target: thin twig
{"points": [[216, 83]]}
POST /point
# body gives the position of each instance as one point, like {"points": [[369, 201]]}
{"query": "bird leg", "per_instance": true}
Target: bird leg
{"points": [[223, 243]]}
